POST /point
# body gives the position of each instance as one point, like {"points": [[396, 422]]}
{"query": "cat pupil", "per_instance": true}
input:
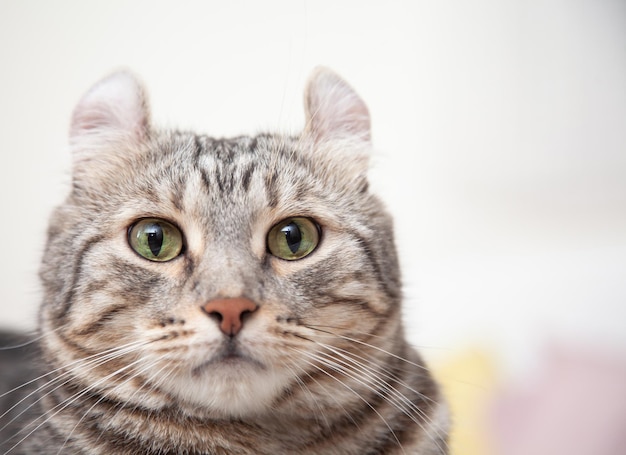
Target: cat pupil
{"points": [[293, 236], [155, 239]]}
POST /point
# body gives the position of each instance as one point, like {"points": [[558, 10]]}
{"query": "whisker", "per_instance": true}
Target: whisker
{"points": [[361, 368], [364, 369], [378, 384], [126, 381], [364, 364], [395, 397], [105, 356], [69, 365], [65, 403], [372, 346], [94, 360], [391, 395], [306, 390], [349, 388], [21, 345], [154, 384]]}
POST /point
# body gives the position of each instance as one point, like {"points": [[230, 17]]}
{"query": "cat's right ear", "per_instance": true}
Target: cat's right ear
{"points": [[113, 114]]}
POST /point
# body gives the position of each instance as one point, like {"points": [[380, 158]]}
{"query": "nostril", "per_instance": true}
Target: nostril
{"points": [[246, 314], [215, 314], [230, 313]]}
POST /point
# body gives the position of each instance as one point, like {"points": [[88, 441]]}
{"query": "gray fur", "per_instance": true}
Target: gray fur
{"points": [[322, 366]]}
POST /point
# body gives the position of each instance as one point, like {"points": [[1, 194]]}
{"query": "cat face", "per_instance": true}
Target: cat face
{"points": [[219, 276]]}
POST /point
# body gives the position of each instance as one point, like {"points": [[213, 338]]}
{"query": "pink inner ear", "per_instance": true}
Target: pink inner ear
{"points": [[91, 119], [115, 105], [334, 110]]}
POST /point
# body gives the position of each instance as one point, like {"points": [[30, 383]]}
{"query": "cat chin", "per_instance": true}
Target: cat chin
{"points": [[230, 389]]}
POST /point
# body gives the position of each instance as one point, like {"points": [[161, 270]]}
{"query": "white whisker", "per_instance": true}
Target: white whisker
{"points": [[21, 345], [64, 367], [153, 382], [372, 346], [392, 394], [364, 363], [306, 390], [91, 361], [68, 401], [397, 398], [335, 367], [104, 396]]}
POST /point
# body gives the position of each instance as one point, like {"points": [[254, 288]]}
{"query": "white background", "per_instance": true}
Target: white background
{"points": [[499, 126]]}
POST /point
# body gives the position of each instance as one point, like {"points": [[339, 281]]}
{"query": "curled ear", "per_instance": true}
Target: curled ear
{"points": [[333, 109], [110, 121], [337, 126]]}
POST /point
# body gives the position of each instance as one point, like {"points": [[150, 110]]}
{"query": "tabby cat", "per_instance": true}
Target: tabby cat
{"points": [[219, 296]]}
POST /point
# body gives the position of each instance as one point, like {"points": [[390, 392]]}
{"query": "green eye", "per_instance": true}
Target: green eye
{"points": [[293, 238], [155, 239]]}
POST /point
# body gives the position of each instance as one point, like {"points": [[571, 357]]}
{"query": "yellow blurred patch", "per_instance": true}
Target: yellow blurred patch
{"points": [[468, 380]]}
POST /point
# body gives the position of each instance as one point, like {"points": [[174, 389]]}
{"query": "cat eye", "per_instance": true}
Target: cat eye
{"points": [[155, 239], [293, 238]]}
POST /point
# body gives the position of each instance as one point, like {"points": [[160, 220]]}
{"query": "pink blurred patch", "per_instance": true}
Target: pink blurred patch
{"points": [[574, 405]]}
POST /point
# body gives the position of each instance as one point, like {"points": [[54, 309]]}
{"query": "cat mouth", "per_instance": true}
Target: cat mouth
{"points": [[228, 355]]}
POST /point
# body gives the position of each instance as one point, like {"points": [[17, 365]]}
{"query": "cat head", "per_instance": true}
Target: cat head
{"points": [[218, 275]]}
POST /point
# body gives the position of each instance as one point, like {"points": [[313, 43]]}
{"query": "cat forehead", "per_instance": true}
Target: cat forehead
{"points": [[208, 153], [240, 173], [263, 151]]}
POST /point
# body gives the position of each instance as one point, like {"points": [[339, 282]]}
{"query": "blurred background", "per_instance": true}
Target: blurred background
{"points": [[500, 135]]}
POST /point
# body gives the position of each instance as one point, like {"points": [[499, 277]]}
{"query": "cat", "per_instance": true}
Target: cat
{"points": [[219, 296]]}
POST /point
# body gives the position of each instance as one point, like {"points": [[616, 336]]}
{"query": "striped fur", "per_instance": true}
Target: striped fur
{"points": [[134, 364]]}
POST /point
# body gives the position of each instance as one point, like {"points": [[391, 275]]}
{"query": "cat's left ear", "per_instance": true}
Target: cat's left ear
{"points": [[337, 123], [110, 122], [334, 110]]}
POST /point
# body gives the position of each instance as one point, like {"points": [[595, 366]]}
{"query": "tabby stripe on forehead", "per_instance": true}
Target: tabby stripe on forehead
{"points": [[200, 151], [76, 274], [200, 142], [206, 181], [246, 177], [225, 179], [271, 189], [177, 196], [252, 146]]}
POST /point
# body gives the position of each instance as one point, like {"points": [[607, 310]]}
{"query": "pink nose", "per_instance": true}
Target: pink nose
{"points": [[229, 313]]}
